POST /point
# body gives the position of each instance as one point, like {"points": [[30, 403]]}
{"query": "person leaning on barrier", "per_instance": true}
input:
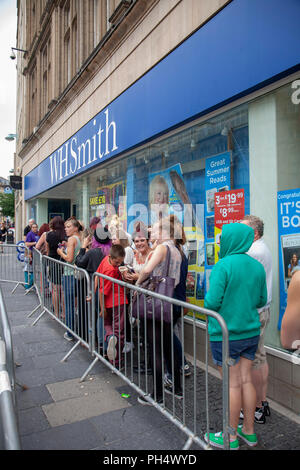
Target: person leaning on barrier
{"points": [[89, 259], [237, 288], [162, 235], [68, 254], [290, 325], [113, 303]]}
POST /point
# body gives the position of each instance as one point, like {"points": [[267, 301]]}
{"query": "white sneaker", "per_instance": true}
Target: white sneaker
{"points": [[128, 346], [111, 348], [68, 337]]}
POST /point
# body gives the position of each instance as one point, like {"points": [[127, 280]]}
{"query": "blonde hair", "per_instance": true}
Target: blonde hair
{"points": [[114, 223], [121, 235], [157, 181]]}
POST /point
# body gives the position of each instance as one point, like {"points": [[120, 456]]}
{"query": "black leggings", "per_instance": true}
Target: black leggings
{"points": [[154, 340]]}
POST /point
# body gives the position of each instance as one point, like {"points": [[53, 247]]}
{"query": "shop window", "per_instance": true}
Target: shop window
{"points": [[274, 142]]}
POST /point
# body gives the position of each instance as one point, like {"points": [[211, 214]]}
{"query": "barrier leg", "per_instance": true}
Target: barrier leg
{"points": [[188, 444], [70, 352], [38, 318], [89, 369], [14, 289], [33, 311]]}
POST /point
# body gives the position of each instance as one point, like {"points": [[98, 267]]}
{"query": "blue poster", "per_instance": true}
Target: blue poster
{"points": [[288, 205], [217, 178]]}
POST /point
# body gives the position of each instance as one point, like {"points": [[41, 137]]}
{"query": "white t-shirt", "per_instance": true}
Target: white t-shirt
{"points": [[129, 254], [261, 253]]}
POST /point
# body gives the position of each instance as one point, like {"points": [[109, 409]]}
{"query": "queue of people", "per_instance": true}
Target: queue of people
{"points": [[117, 254], [148, 252]]}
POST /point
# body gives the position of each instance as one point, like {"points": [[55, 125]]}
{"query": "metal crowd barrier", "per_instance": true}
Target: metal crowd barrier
{"points": [[144, 367], [64, 290], [9, 433], [69, 295], [14, 259]]}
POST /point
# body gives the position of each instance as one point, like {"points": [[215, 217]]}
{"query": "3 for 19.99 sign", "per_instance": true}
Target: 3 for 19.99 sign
{"points": [[229, 209]]}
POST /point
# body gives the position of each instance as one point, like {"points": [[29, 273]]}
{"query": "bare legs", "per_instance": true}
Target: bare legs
{"points": [[242, 395], [260, 382]]}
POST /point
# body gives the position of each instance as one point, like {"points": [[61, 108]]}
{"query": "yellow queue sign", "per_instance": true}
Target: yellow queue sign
{"points": [[97, 200]]}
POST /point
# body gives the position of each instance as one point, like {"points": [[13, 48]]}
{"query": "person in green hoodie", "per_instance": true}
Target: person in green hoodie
{"points": [[237, 289]]}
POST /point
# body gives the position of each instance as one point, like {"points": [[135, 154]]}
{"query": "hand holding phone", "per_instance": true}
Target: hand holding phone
{"points": [[130, 269]]}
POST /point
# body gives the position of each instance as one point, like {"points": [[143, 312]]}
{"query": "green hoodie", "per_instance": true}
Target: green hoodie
{"points": [[237, 286]]}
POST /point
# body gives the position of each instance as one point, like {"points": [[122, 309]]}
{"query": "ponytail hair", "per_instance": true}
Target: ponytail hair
{"points": [[173, 227], [76, 223]]}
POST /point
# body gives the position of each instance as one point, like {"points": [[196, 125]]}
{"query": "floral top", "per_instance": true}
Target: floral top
{"points": [[138, 264]]}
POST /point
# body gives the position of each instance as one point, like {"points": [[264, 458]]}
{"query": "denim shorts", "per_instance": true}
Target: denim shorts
{"points": [[237, 349]]}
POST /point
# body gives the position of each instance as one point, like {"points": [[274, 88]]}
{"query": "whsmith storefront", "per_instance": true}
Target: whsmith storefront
{"points": [[214, 125]]}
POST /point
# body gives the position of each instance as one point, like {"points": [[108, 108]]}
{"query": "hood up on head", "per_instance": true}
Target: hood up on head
{"points": [[235, 239]]}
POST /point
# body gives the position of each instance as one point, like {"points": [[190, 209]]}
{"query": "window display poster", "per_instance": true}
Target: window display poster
{"points": [[109, 200], [167, 194], [229, 209], [217, 180], [288, 210]]}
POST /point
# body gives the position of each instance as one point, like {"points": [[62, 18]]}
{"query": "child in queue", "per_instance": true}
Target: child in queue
{"points": [[112, 302]]}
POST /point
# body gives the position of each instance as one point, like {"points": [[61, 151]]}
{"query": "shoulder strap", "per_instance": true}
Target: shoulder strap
{"points": [[167, 263]]}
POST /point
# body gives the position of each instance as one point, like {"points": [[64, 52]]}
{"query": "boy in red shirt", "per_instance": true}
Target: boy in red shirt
{"points": [[112, 302]]}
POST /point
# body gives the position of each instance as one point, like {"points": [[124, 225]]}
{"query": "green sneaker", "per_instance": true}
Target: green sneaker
{"points": [[250, 439], [216, 440]]}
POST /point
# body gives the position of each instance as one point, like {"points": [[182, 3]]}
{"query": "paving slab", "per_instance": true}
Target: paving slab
{"points": [[75, 401]]}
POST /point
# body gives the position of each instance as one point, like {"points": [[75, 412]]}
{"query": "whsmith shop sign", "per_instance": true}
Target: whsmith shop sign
{"points": [[156, 102]]}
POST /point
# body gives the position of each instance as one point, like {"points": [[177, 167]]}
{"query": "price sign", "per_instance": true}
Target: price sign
{"points": [[229, 209]]}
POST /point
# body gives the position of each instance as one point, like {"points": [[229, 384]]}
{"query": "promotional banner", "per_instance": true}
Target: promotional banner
{"points": [[217, 180], [229, 209], [109, 200], [288, 205]]}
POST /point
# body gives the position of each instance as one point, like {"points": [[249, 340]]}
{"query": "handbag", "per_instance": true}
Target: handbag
{"points": [[145, 306]]}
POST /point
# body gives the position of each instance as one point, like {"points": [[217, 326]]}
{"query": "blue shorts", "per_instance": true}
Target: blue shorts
{"points": [[237, 349]]}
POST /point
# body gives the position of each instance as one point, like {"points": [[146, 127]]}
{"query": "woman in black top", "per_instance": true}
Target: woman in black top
{"points": [[54, 238], [89, 259]]}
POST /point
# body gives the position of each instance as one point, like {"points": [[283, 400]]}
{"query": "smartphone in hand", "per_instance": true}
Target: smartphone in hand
{"points": [[130, 269]]}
